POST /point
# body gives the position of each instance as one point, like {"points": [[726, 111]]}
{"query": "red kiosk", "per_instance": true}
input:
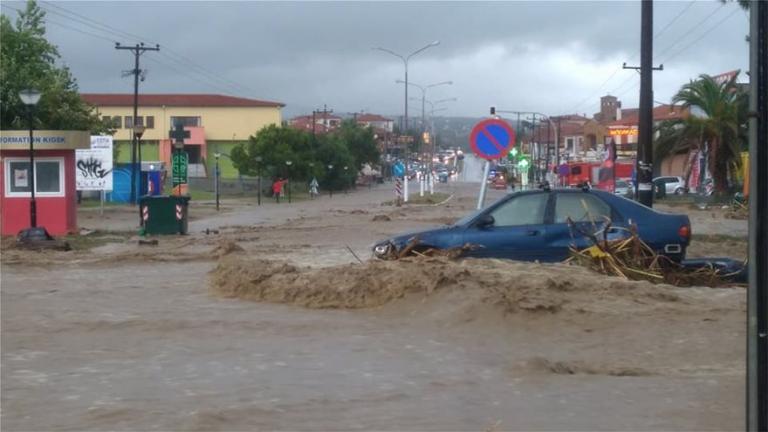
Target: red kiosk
{"points": [[55, 192]]}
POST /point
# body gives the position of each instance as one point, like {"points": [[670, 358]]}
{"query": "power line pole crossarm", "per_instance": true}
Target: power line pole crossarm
{"points": [[137, 51]]}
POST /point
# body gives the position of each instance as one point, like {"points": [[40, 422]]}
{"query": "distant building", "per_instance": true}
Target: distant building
{"points": [[318, 123], [624, 130], [215, 122], [376, 121]]}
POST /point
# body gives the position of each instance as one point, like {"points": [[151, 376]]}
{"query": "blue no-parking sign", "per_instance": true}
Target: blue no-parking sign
{"points": [[492, 139]]}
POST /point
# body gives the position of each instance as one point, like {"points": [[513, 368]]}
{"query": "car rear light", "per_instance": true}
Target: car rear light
{"points": [[684, 232]]}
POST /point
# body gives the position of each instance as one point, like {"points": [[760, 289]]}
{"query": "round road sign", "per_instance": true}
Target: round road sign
{"points": [[492, 139]]}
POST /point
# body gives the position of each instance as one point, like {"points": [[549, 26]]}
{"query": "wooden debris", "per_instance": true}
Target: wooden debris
{"points": [[631, 258], [414, 247]]}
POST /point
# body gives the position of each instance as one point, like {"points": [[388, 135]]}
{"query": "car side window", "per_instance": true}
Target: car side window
{"points": [[521, 210], [580, 207]]}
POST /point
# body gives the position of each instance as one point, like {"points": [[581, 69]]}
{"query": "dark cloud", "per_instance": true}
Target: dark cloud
{"points": [[544, 56]]}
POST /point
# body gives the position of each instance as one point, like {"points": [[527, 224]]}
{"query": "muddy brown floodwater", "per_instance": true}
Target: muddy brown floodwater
{"points": [[273, 325]]}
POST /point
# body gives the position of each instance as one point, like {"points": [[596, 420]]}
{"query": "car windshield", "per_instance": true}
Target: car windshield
{"points": [[621, 184], [468, 218]]}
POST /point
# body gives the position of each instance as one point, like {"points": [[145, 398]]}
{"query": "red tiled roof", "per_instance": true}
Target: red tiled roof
{"points": [[175, 100], [660, 113], [372, 118], [302, 123]]}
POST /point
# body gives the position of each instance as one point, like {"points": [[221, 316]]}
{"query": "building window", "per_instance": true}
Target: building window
{"points": [[49, 177], [128, 122], [117, 122], [150, 122], [185, 121]]}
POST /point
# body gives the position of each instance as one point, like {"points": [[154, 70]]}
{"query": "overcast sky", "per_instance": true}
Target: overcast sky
{"points": [[551, 57]]}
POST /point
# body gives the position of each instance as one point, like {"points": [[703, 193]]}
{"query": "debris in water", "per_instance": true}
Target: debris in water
{"points": [[226, 247], [631, 258]]}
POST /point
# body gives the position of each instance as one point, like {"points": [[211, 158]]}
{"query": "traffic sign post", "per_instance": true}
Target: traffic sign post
{"points": [[398, 170], [490, 139], [180, 159]]}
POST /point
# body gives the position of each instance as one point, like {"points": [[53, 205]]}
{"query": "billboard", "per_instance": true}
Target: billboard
{"points": [[93, 167]]}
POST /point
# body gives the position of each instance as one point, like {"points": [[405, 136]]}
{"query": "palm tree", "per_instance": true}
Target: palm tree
{"points": [[720, 123]]}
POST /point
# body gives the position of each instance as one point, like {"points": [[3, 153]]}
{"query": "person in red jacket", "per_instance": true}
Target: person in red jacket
{"points": [[277, 189]]}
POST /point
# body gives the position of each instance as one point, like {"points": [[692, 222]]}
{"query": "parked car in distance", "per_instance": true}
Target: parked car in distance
{"points": [[671, 184], [532, 226], [442, 175], [499, 182], [622, 187]]}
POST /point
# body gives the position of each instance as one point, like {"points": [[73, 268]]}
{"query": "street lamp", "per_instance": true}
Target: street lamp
{"points": [[405, 101], [433, 143], [258, 173], [30, 98], [423, 89], [330, 187], [288, 178]]}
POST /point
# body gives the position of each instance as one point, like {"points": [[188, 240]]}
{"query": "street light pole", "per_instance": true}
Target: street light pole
{"points": [[405, 101], [346, 186], [216, 175], [30, 98], [138, 132], [258, 173], [330, 188], [288, 179]]}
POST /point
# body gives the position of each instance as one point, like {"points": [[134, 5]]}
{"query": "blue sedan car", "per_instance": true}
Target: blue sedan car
{"points": [[533, 225]]}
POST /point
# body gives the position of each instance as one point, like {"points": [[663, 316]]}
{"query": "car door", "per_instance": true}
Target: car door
{"points": [[587, 212], [517, 232]]}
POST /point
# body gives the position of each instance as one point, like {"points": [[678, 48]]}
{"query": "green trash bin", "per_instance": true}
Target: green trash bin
{"points": [[164, 214]]}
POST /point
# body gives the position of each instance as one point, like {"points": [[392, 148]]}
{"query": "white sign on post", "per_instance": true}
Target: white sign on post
{"points": [[93, 168]]}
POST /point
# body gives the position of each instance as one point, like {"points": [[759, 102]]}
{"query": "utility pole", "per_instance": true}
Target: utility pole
{"points": [[644, 159], [137, 51], [757, 293], [557, 150], [548, 174]]}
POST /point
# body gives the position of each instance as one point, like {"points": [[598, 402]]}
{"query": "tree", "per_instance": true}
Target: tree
{"points": [[360, 142], [28, 60], [333, 151], [275, 145], [721, 124]]}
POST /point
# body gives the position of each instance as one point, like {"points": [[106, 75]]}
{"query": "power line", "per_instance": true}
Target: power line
{"points": [[91, 22], [669, 24], [702, 36], [155, 60], [68, 27], [168, 53], [615, 72], [691, 30]]}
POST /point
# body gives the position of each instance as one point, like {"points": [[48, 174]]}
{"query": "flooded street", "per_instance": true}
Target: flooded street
{"points": [[124, 337]]}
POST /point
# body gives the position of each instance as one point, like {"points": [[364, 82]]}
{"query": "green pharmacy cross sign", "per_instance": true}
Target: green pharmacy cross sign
{"points": [[523, 163], [180, 159], [179, 165]]}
